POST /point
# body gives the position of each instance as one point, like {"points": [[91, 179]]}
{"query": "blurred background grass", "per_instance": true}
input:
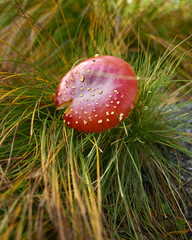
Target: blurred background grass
{"points": [[59, 184], [116, 26]]}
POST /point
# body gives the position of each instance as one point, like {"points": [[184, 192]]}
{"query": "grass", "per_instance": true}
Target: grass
{"points": [[57, 183]]}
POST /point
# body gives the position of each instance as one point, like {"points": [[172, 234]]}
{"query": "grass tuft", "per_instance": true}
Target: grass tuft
{"points": [[57, 183]]}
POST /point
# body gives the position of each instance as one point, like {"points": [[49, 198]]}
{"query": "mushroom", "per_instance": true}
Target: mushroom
{"points": [[99, 92]]}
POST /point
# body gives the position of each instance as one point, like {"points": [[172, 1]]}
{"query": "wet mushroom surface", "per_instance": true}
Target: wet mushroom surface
{"points": [[99, 93]]}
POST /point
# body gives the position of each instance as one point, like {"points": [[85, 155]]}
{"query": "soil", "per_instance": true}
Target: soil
{"points": [[185, 163]]}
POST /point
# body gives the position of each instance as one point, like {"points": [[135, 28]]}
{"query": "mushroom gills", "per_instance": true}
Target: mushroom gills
{"points": [[64, 104]]}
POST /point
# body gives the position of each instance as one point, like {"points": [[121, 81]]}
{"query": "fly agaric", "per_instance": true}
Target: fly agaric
{"points": [[99, 92]]}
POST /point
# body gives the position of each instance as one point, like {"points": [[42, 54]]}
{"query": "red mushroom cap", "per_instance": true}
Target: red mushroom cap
{"points": [[100, 92]]}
